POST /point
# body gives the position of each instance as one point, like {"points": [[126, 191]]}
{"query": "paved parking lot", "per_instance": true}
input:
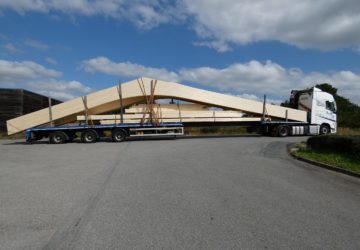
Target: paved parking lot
{"points": [[200, 193]]}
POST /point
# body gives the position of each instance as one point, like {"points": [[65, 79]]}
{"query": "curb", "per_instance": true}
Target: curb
{"points": [[320, 164], [217, 136]]}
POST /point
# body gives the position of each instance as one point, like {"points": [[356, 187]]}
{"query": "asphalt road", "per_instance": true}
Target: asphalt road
{"points": [[200, 193]]}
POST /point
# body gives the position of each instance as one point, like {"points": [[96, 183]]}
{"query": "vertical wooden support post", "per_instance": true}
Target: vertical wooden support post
{"points": [[50, 113], [143, 91], [264, 108], [286, 115], [121, 103], [84, 99], [178, 106], [151, 100]]}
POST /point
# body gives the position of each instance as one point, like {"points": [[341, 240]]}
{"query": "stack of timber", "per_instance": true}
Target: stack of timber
{"points": [[134, 92], [139, 108], [172, 113]]}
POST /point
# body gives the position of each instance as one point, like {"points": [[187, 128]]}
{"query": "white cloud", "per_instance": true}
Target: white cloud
{"points": [[251, 79], [36, 44], [126, 69], [12, 71], [51, 60], [59, 89], [220, 46], [143, 13], [252, 76], [3, 37], [320, 24], [9, 47], [35, 77]]}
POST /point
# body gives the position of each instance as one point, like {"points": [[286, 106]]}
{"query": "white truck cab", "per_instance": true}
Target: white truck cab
{"points": [[321, 108]]}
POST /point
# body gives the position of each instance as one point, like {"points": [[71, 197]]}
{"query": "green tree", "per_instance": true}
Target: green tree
{"points": [[286, 104], [348, 112], [327, 88]]}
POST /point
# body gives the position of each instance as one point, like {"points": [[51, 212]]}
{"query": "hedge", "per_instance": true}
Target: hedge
{"points": [[336, 143]]}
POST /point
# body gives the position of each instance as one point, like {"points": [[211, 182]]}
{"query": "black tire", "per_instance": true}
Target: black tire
{"points": [[283, 131], [324, 129], [118, 135], [57, 137], [89, 136]]}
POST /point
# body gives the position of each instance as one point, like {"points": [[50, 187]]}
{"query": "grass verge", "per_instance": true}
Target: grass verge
{"points": [[348, 131], [339, 160], [216, 131], [11, 137]]}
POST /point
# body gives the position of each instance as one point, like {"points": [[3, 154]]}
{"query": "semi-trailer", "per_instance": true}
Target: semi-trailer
{"points": [[320, 108]]}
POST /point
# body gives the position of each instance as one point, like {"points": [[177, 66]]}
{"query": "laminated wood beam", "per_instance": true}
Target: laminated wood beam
{"points": [[139, 108], [108, 99], [167, 114]]}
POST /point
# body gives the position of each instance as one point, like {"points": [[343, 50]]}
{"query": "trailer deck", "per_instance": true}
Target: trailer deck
{"points": [[132, 130]]}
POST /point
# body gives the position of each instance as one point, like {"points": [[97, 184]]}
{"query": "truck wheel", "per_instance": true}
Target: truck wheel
{"points": [[118, 135], [57, 137], [283, 131], [324, 129], [89, 136]]}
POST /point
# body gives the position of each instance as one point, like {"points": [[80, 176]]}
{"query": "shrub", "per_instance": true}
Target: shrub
{"points": [[336, 143], [209, 130]]}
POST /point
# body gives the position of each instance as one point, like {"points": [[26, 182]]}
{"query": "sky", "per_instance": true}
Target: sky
{"points": [[69, 48]]}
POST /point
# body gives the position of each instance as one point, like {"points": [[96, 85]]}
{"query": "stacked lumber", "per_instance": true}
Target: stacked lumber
{"points": [[134, 92], [172, 113], [140, 108]]}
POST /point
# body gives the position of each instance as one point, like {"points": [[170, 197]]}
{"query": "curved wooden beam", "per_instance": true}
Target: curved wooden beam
{"points": [[108, 99]]}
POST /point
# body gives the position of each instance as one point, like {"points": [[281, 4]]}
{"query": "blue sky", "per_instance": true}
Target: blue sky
{"points": [[69, 48]]}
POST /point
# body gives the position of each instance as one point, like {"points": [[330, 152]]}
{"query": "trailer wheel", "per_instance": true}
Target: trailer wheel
{"points": [[118, 135], [324, 129], [283, 131], [89, 136], [57, 137]]}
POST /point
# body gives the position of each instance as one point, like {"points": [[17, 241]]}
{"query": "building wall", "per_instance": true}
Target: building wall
{"points": [[17, 102]]}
